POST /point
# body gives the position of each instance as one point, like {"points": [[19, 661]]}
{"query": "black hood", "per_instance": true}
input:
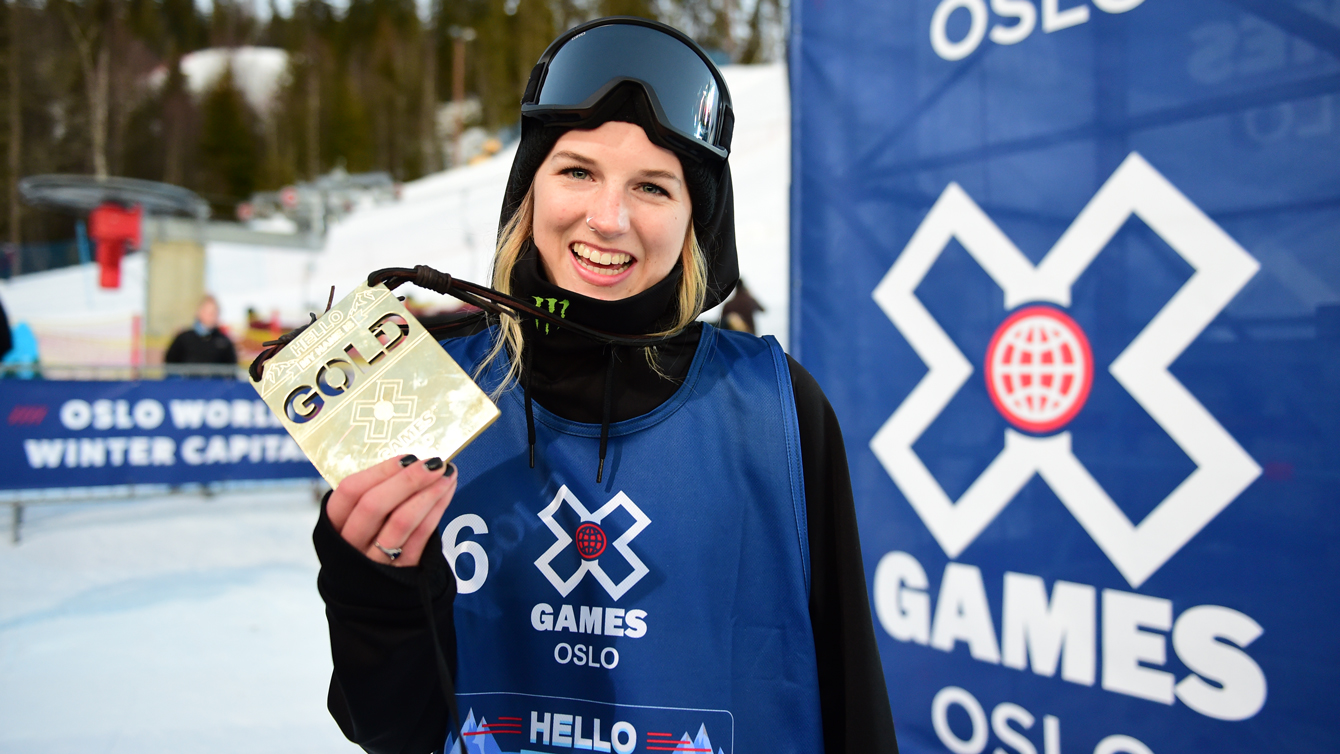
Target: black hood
{"points": [[709, 183]]}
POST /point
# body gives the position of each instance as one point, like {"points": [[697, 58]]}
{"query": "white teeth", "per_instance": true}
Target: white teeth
{"points": [[585, 254]]}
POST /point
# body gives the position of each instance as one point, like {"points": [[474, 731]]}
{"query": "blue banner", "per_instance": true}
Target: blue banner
{"points": [[1067, 271], [83, 434]]}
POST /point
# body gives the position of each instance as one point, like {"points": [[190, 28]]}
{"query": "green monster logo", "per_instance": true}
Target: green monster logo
{"points": [[540, 301]]}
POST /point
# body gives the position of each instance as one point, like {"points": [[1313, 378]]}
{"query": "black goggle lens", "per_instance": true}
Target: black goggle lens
{"points": [[684, 85]]}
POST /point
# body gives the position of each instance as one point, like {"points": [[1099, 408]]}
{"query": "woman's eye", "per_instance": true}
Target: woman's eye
{"points": [[652, 188], [580, 174]]}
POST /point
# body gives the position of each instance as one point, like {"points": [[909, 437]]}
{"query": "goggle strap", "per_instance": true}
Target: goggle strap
{"points": [[727, 127], [533, 84]]}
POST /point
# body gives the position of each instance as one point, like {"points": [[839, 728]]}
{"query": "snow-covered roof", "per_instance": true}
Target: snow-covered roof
{"points": [[258, 72]]}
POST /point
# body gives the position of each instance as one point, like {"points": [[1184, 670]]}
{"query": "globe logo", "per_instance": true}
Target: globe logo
{"points": [[590, 540], [1039, 369]]}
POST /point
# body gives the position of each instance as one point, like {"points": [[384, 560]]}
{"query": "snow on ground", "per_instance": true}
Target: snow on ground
{"points": [[170, 624], [447, 221], [75, 321], [269, 279]]}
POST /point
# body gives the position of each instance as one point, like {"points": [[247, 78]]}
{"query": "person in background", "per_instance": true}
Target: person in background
{"points": [[23, 357], [203, 342], [738, 313], [18, 349]]}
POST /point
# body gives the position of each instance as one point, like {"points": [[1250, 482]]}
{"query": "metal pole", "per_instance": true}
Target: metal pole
{"points": [[15, 141], [459, 36], [428, 111], [16, 522], [457, 96]]}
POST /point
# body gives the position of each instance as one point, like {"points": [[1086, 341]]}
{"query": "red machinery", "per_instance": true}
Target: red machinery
{"points": [[115, 230], [115, 208]]}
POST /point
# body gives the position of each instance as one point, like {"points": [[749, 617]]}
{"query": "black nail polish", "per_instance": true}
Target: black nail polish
{"points": [[407, 460], [433, 464], [451, 469]]}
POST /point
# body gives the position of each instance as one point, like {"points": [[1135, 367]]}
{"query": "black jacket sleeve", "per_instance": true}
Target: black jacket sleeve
{"points": [[385, 691], [852, 696], [176, 350], [227, 352], [6, 337]]}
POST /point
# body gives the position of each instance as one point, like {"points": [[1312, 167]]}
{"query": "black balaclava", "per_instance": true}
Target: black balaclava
{"points": [[569, 368], [709, 186]]}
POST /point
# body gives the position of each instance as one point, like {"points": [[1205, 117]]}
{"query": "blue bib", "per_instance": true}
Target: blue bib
{"points": [[665, 609]]}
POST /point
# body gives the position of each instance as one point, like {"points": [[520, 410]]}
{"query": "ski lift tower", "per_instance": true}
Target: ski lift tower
{"points": [[125, 214]]}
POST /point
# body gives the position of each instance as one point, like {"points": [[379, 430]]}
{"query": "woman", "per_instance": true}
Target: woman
{"points": [[652, 542]]}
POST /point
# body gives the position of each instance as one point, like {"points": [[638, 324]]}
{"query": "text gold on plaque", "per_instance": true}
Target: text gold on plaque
{"points": [[366, 382]]}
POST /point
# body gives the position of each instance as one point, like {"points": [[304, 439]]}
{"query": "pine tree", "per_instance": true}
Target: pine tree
{"points": [[641, 8], [347, 135], [365, 83], [230, 155]]}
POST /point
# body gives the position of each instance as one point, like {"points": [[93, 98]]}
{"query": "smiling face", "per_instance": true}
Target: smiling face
{"points": [[612, 211]]}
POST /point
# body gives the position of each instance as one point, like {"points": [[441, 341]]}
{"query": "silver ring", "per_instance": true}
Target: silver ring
{"points": [[588, 226], [390, 552]]}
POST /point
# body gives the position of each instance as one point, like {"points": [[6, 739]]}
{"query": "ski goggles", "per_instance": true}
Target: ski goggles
{"points": [[687, 93]]}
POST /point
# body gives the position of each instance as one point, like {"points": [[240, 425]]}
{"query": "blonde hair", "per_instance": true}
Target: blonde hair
{"points": [[512, 240]]}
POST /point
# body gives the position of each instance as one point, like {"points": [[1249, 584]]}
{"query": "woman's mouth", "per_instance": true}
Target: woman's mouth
{"points": [[601, 262]]}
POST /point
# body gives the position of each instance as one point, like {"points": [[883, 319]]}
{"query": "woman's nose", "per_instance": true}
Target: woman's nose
{"points": [[609, 214]]}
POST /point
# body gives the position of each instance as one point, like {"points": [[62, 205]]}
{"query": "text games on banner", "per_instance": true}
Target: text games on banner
{"points": [[1067, 272], [84, 434]]}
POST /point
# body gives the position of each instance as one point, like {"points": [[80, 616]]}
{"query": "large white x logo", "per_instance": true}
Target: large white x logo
{"points": [[1223, 469], [563, 539]]}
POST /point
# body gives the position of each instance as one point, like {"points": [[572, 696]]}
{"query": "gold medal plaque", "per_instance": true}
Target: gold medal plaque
{"points": [[366, 382]]}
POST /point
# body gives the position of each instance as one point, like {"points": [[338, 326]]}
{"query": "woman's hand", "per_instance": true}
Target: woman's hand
{"points": [[395, 504]]}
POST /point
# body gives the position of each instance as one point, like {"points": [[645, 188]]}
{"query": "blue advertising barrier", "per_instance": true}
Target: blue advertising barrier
{"points": [[1067, 271], [85, 434]]}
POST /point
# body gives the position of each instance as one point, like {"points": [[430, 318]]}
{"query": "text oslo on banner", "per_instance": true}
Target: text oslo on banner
{"points": [[1078, 257]]}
